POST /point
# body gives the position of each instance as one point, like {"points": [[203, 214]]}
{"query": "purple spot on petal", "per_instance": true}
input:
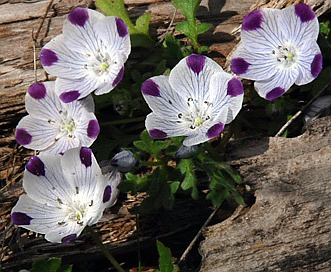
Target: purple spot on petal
{"points": [[22, 136], [252, 20], [78, 16], [196, 62], [215, 130], [106, 194], [157, 134], [85, 155], [235, 87], [35, 166], [37, 91], [275, 93], [304, 12], [69, 96], [239, 66], [149, 87], [121, 27], [69, 238], [19, 218], [316, 65], [118, 77], [93, 129], [48, 57]]}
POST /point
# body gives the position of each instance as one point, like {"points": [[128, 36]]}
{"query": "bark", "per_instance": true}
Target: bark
{"points": [[288, 228]]}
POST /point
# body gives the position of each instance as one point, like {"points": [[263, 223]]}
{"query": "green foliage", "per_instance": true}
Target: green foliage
{"points": [[165, 259], [50, 265], [190, 28], [186, 167]]}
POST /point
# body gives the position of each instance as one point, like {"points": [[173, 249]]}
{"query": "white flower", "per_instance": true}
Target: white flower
{"points": [[196, 100], [64, 194], [89, 55], [54, 126], [278, 49]]}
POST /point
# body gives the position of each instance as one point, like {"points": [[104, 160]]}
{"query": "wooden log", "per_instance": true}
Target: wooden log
{"points": [[288, 228]]}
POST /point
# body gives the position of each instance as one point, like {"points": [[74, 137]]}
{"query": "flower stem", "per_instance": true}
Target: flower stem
{"points": [[104, 249]]}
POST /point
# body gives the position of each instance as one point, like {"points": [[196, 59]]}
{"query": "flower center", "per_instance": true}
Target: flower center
{"points": [[196, 115], [286, 55], [76, 211], [98, 63]]}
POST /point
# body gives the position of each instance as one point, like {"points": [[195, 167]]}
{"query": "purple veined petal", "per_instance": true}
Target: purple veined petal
{"points": [[48, 57], [160, 128], [114, 177], [277, 85], [64, 234], [215, 130], [309, 63], [86, 156], [20, 218], [107, 194], [196, 62], [68, 63], [252, 21], [37, 91], [263, 26], [185, 80], [93, 129], [44, 182], [162, 99], [218, 90], [235, 87], [255, 66], [299, 24], [69, 96], [78, 16]]}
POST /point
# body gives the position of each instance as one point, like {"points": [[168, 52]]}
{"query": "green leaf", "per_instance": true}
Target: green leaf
{"points": [[186, 167], [50, 265], [142, 23], [203, 27], [165, 259], [187, 7], [174, 186], [184, 27]]}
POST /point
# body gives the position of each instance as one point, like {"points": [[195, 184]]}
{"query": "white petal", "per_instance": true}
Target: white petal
{"points": [[67, 64], [162, 99], [42, 133], [64, 234], [254, 66], [83, 39], [114, 178], [62, 144], [83, 172], [108, 33], [45, 218], [296, 31], [45, 107], [304, 62], [262, 34], [283, 79], [169, 128], [50, 186], [191, 76]]}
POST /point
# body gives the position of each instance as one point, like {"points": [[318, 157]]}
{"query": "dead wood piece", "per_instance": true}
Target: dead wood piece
{"points": [[288, 228]]}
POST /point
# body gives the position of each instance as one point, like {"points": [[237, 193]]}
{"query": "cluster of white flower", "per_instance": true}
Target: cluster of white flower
{"points": [[65, 187]]}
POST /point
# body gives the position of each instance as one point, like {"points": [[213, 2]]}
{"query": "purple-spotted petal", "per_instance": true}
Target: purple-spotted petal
{"points": [[48, 57], [35, 166], [316, 65], [118, 78], [19, 218], [304, 12], [86, 156], [150, 87], [190, 78], [23, 137], [275, 93], [78, 16], [106, 194], [239, 66], [69, 238], [121, 27], [37, 91], [252, 20], [215, 130], [196, 62], [69, 96], [157, 134], [235, 87], [283, 80], [93, 129]]}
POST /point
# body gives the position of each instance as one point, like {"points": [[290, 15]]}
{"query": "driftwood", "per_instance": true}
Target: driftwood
{"points": [[288, 228]]}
